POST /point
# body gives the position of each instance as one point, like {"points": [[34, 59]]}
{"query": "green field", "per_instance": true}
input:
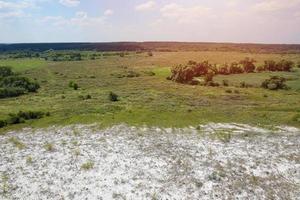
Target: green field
{"points": [[152, 100]]}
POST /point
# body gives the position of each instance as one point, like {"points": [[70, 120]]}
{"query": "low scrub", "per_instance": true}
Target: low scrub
{"points": [[22, 117], [274, 83], [12, 85], [5, 71], [113, 96], [271, 65]]}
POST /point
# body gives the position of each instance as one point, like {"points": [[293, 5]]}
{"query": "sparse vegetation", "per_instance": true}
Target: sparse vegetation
{"points": [[49, 147], [17, 143], [113, 96], [88, 165], [149, 99]]}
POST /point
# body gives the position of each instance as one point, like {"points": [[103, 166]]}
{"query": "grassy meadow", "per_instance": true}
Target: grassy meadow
{"points": [[152, 99]]}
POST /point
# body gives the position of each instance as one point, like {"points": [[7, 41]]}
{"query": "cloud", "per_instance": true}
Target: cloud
{"points": [[185, 14], [108, 12], [80, 19], [145, 6], [275, 5], [15, 9], [70, 3], [4, 5]]}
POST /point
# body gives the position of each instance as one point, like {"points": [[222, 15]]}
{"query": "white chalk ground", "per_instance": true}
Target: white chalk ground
{"points": [[214, 161]]}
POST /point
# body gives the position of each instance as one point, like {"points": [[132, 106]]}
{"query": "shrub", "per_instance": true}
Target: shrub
{"points": [[149, 73], [2, 123], [21, 116], [185, 74], [5, 71], [208, 77], [283, 65], [113, 97], [225, 83], [224, 70], [132, 74], [122, 54], [270, 65], [73, 85], [235, 68], [212, 84], [243, 84], [150, 54], [274, 83], [86, 97], [19, 82], [11, 92], [228, 91], [298, 64], [248, 65], [260, 69]]}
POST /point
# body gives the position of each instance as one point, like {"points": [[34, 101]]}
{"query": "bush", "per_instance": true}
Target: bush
{"points": [[5, 71], [86, 97], [150, 54], [225, 83], [19, 82], [113, 97], [260, 69], [248, 65], [11, 92], [2, 123], [132, 74], [208, 77], [122, 54], [243, 84], [224, 70], [274, 83], [228, 91], [185, 74], [235, 68], [22, 116], [212, 84], [283, 65], [298, 65], [73, 85]]}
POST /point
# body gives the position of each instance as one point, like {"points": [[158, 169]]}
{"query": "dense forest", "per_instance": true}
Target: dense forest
{"points": [[156, 46]]}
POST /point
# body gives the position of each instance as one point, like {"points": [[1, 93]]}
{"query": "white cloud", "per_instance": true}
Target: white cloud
{"points": [[185, 14], [70, 3], [15, 5], [80, 19], [12, 14], [275, 5], [15, 9], [108, 12], [145, 6]]}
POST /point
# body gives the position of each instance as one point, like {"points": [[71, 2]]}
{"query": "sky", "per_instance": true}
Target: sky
{"points": [[241, 21]]}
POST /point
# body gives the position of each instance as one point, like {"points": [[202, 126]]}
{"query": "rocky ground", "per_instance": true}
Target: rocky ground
{"points": [[213, 161]]}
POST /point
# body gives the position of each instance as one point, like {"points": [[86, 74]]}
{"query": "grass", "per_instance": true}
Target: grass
{"points": [[5, 185], [153, 100], [87, 166], [49, 147], [20, 65], [17, 143]]}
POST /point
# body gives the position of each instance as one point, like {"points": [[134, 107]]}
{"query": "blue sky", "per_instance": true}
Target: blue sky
{"points": [[255, 21]]}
